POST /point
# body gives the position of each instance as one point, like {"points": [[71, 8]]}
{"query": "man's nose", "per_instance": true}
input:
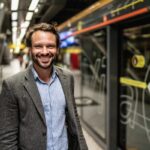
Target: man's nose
{"points": [[44, 50]]}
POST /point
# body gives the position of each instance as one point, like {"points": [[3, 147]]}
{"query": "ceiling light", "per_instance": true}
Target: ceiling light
{"points": [[17, 50], [1, 5], [25, 24], [14, 37], [24, 27], [23, 31], [14, 5], [29, 15], [36, 10], [11, 50], [14, 15], [14, 29], [14, 23], [33, 5]]}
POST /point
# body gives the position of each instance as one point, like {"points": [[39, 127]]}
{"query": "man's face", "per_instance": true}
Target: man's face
{"points": [[43, 49]]}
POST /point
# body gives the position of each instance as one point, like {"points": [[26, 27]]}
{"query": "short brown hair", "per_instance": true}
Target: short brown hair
{"points": [[42, 27]]}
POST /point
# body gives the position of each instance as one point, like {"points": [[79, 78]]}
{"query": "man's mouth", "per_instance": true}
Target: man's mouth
{"points": [[44, 59]]}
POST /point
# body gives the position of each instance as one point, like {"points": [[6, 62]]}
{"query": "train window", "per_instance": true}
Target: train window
{"points": [[135, 88], [93, 86]]}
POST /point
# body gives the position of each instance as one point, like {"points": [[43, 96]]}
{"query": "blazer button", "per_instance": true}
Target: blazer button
{"points": [[44, 133]]}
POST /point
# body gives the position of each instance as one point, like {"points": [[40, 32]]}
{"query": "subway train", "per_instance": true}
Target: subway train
{"points": [[109, 42]]}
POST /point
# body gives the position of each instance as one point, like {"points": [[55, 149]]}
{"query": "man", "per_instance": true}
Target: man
{"points": [[37, 107]]}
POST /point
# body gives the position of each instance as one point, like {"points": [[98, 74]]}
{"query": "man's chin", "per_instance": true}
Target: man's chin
{"points": [[45, 66]]}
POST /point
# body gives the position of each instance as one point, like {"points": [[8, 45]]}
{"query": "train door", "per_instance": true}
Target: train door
{"points": [[134, 83], [93, 81]]}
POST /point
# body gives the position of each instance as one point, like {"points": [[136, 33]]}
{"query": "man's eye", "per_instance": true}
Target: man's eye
{"points": [[51, 46], [37, 46]]}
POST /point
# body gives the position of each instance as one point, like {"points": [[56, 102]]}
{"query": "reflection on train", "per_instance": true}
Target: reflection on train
{"points": [[110, 44], [88, 51], [135, 90], [93, 68]]}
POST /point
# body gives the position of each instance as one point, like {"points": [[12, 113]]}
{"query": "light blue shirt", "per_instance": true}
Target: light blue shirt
{"points": [[54, 104]]}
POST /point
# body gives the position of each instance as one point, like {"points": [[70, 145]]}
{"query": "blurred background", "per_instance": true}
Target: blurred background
{"points": [[106, 46]]}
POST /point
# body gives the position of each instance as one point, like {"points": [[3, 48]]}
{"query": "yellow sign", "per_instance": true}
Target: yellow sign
{"points": [[131, 82], [13, 46], [80, 24], [73, 50], [138, 61]]}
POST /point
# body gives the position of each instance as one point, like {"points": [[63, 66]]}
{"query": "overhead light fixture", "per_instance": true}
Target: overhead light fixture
{"points": [[29, 15], [14, 37], [33, 5], [17, 50], [36, 10], [14, 15], [14, 23], [14, 29], [1, 5], [25, 24], [24, 27], [22, 33], [14, 5]]}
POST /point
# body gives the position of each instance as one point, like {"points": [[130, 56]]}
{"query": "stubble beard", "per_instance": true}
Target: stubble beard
{"points": [[35, 59]]}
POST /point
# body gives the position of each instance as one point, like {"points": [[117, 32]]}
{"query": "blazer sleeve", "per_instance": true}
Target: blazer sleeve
{"points": [[8, 119]]}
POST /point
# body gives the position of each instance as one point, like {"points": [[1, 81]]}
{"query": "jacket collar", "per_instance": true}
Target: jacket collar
{"points": [[32, 89]]}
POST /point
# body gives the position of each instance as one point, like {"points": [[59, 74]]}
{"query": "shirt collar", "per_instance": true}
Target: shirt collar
{"points": [[36, 76]]}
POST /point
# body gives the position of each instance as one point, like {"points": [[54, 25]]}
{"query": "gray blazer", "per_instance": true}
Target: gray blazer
{"points": [[22, 120]]}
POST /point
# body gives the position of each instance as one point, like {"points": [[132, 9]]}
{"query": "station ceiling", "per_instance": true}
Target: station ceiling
{"points": [[48, 11]]}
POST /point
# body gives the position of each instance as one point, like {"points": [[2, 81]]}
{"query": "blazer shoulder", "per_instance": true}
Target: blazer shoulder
{"points": [[16, 78], [64, 71]]}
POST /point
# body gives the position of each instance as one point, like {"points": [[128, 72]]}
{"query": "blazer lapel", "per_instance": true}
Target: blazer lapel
{"points": [[70, 114], [32, 89], [65, 85], [63, 80]]}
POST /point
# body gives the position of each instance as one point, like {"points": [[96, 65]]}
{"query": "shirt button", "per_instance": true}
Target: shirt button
{"points": [[44, 133]]}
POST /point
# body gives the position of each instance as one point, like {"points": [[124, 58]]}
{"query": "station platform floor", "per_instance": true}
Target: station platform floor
{"points": [[14, 68]]}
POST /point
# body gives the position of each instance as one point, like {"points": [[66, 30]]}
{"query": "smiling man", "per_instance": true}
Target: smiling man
{"points": [[37, 106]]}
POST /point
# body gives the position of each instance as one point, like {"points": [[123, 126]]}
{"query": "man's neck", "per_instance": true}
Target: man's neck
{"points": [[44, 74]]}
